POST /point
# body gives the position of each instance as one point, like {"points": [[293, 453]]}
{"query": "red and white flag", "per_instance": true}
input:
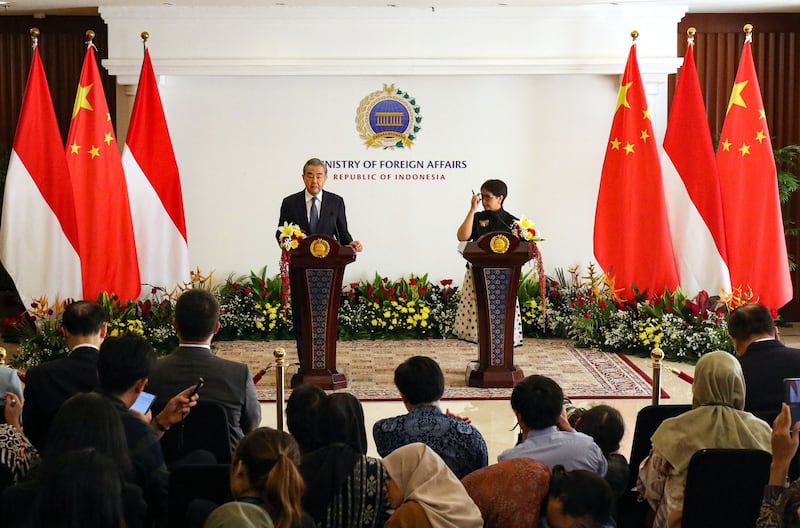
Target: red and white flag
{"points": [[692, 189], [38, 233], [107, 250], [154, 189], [748, 178], [631, 232]]}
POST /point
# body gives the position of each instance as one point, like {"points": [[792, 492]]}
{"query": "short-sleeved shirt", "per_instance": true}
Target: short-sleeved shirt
{"points": [[573, 450]]}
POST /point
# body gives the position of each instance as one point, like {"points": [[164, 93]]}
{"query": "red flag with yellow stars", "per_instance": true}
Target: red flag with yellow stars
{"points": [[631, 230], [748, 178], [107, 249]]}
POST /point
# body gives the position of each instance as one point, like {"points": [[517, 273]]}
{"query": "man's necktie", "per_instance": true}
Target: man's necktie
{"points": [[313, 218]]}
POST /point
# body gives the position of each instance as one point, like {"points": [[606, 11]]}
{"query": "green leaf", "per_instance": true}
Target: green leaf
{"points": [[417, 119], [399, 144], [416, 129], [416, 109], [411, 137], [413, 101]]}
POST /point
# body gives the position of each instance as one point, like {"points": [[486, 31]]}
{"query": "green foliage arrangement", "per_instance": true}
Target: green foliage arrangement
{"points": [[582, 307]]}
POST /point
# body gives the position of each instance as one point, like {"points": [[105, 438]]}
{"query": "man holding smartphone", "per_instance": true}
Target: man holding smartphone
{"points": [[765, 360], [123, 367]]}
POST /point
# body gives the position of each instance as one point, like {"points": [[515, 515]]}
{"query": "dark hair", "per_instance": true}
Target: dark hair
{"points": [[582, 494], [538, 400], [341, 420], [750, 320], [315, 162], [302, 410], [497, 188], [89, 420], [420, 380], [605, 425], [77, 489], [196, 314], [83, 318], [270, 458], [124, 360]]}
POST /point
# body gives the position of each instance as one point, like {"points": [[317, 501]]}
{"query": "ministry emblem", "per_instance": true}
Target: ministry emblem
{"points": [[388, 119]]}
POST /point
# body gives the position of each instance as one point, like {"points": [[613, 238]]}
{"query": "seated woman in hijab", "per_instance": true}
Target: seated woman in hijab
{"points": [[343, 484], [425, 493], [715, 421]]}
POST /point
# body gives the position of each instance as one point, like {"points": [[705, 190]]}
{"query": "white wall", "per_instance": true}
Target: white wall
{"points": [[526, 97]]}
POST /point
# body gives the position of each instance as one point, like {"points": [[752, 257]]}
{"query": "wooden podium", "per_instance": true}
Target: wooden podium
{"points": [[496, 259], [315, 276]]}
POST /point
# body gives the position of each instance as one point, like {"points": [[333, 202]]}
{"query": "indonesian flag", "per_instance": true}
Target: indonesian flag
{"points": [[692, 193], [108, 250], [753, 224], [154, 188], [631, 233], [38, 233]]}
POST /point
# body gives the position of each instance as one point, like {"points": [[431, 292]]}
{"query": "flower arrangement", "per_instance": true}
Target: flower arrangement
{"points": [[289, 237], [584, 307], [524, 229]]}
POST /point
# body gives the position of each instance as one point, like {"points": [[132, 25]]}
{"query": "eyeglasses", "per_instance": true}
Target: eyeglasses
{"points": [[487, 196]]}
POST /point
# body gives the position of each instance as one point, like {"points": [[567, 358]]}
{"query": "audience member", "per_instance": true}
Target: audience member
{"points": [[264, 478], [123, 366], [302, 410], [606, 426], [85, 488], [780, 507], [537, 402], [10, 382], [765, 360], [50, 384], [342, 488], [226, 382], [17, 454], [715, 421], [421, 384], [424, 492], [85, 421], [509, 494], [578, 498]]}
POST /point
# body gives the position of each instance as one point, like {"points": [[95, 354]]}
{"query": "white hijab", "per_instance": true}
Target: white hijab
{"points": [[423, 477], [716, 419]]}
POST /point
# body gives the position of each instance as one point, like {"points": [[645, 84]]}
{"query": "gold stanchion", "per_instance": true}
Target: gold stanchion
{"points": [[3, 355], [657, 355], [279, 354]]}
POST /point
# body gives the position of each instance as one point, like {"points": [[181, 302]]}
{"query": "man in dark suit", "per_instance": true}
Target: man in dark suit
{"points": [[765, 360], [316, 213], [226, 382], [50, 384]]}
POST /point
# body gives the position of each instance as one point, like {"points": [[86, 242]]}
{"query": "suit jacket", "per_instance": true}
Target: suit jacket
{"points": [[765, 364], [332, 217], [226, 382], [50, 384]]}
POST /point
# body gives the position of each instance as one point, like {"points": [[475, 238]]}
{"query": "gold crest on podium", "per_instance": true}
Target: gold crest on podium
{"points": [[320, 248], [499, 243]]}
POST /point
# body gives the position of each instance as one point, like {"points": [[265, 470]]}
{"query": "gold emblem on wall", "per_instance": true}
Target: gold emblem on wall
{"points": [[388, 119]]}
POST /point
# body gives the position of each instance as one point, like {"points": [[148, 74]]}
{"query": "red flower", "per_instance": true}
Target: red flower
{"points": [[573, 304], [587, 315], [404, 295], [422, 290], [261, 283], [601, 304], [554, 293], [34, 305], [50, 311], [248, 291], [581, 302], [351, 294], [553, 283], [370, 290], [446, 282], [668, 309], [393, 298], [264, 293], [385, 280], [445, 296], [235, 285], [154, 290], [376, 299], [412, 281], [222, 311], [353, 285]]}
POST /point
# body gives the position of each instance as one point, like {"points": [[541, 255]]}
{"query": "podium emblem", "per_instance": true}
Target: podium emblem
{"points": [[388, 119], [499, 243], [320, 248]]}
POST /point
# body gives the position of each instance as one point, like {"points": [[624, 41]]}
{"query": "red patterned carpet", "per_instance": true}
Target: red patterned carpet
{"points": [[369, 366]]}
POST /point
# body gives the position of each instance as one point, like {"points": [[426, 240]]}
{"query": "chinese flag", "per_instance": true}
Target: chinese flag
{"points": [[154, 187], [694, 202], [631, 232], [39, 234], [108, 251], [748, 178]]}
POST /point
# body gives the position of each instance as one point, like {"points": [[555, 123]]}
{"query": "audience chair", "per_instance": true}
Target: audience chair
{"points": [[205, 428], [724, 488], [209, 483], [629, 511]]}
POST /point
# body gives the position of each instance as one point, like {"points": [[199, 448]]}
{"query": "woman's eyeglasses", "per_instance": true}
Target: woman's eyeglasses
{"points": [[487, 196]]}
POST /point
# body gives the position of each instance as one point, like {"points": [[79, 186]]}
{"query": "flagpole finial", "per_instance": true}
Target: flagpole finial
{"points": [[634, 35], [145, 35], [35, 36], [748, 28], [89, 36], [690, 33]]}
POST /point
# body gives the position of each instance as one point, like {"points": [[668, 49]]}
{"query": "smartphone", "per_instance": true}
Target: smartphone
{"points": [[792, 397], [143, 402], [200, 383]]}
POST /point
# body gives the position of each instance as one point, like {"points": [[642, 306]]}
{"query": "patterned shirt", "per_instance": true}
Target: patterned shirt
{"points": [[460, 444]]}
